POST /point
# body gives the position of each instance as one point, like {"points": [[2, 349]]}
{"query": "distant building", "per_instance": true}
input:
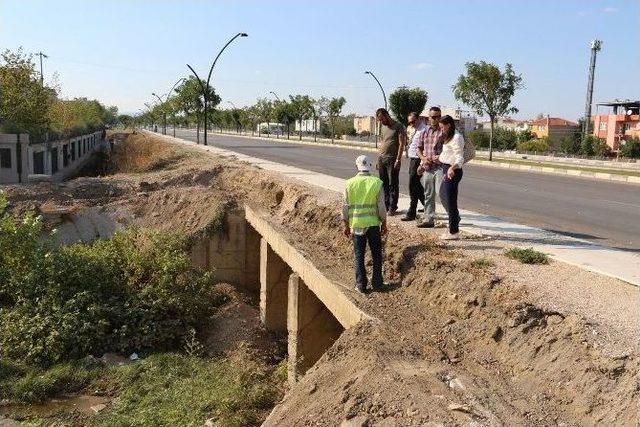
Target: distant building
{"points": [[622, 125], [465, 121], [553, 128], [272, 128], [364, 124], [308, 125], [507, 123]]}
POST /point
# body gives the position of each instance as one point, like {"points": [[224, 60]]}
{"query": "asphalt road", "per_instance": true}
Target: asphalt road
{"points": [[603, 212]]}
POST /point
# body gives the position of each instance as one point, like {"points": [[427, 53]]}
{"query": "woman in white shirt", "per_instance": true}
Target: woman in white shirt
{"points": [[452, 159]]}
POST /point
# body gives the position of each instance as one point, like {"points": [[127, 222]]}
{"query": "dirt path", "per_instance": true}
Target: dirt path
{"points": [[501, 345]]}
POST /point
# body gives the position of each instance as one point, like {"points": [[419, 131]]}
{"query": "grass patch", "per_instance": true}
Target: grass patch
{"points": [[482, 263], [161, 390], [527, 256], [26, 384], [174, 389]]}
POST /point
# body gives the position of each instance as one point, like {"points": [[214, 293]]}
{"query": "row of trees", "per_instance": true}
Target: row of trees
{"points": [[185, 106], [29, 106]]}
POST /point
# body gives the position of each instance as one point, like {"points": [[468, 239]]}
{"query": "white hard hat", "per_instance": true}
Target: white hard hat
{"points": [[363, 163]]}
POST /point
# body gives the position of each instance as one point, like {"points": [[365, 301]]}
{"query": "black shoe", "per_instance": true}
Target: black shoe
{"points": [[378, 288], [361, 290], [392, 212], [408, 217], [421, 210], [426, 225]]}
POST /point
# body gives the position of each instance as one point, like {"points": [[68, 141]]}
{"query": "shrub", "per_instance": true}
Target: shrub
{"points": [[479, 138], [570, 144], [135, 291], [631, 148], [505, 139], [536, 145], [527, 256]]}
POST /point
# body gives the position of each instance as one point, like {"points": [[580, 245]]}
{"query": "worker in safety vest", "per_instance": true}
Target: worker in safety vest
{"points": [[364, 217]]}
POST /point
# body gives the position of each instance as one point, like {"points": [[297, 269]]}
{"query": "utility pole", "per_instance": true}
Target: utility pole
{"points": [[596, 45], [40, 54]]}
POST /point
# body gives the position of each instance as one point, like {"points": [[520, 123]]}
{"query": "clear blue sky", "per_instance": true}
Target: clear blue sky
{"points": [[120, 51]]}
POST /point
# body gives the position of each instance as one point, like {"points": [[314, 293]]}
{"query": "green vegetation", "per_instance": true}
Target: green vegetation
{"points": [[527, 256], [482, 263], [135, 291], [488, 90], [540, 145], [404, 100], [29, 106], [62, 307], [162, 389], [631, 148]]}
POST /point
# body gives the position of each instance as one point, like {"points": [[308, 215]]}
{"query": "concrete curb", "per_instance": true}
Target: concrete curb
{"points": [[559, 171], [495, 163]]}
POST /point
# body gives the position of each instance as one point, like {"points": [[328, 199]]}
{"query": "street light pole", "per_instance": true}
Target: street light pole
{"points": [[205, 90], [167, 96], [164, 114], [40, 54], [381, 89], [385, 102]]}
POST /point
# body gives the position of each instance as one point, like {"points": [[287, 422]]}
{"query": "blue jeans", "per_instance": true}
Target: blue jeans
{"points": [[449, 197], [371, 235]]}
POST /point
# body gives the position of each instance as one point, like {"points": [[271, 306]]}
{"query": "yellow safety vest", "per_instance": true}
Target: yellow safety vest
{"points": [[362, 199]]}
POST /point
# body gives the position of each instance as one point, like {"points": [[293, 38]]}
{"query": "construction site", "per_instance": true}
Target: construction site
{"points": [[462, 334]]}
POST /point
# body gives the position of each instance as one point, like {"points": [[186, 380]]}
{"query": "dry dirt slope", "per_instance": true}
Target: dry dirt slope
{"points": [[456, 344]]}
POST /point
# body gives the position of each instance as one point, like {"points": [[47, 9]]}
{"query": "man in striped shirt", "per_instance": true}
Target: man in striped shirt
{"points": [[429, 149]]}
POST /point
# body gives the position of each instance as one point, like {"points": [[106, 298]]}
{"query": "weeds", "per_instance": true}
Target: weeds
{"points": [[482, 263], [527, 256]]}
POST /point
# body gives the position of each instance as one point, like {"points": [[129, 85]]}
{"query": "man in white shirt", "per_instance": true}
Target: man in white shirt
{"points": [[416, 191]]}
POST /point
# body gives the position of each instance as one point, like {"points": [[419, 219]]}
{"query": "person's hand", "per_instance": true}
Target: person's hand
{"points": [[397, 164], [346, 231], [383, 228], [451, 173]]}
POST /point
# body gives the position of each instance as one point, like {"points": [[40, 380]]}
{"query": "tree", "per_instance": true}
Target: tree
{"points": [[587, 146], [189, 98], [404, 101], [301, 108], [488, 90], [334, 108], [24, 102], [264, 112], [320, 106], [284, 113]]}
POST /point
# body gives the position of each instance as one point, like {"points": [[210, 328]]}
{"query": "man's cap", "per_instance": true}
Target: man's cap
{"points": [[363, 163]]}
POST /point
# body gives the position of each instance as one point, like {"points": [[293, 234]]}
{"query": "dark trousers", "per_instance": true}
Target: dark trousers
{"points": [[390, 182], [449, 197], [372, 235], [416, 190]]}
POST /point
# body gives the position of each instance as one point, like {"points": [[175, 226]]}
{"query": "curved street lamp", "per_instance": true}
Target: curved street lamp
{"points": [[378, 81], [205, 91], [166, 98], [274, 94]]}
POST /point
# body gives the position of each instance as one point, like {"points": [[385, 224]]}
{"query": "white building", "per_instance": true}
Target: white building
{"points": [[466, 121], [308, 125]]}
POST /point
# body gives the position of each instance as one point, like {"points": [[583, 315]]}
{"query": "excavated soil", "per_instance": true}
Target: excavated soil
{"points": [[452, 344]]}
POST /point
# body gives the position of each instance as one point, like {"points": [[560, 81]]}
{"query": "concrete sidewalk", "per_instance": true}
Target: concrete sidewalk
{"points": [[622, 265]]}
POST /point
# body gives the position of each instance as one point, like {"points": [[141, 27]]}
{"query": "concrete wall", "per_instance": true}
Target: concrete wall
{"points": [[45, 160]]}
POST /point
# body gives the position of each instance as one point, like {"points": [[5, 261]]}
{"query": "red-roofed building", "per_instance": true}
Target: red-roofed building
{"points": [[553, 128], [623, 124]]}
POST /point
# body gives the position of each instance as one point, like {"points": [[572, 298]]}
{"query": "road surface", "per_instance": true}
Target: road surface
{"points": [[607, 213]]}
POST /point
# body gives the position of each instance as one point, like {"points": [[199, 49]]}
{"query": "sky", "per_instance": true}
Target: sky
{"points": [[120, 51]]}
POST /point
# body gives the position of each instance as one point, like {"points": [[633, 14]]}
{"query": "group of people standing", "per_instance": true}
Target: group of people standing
{"points": [[436, 156]]}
